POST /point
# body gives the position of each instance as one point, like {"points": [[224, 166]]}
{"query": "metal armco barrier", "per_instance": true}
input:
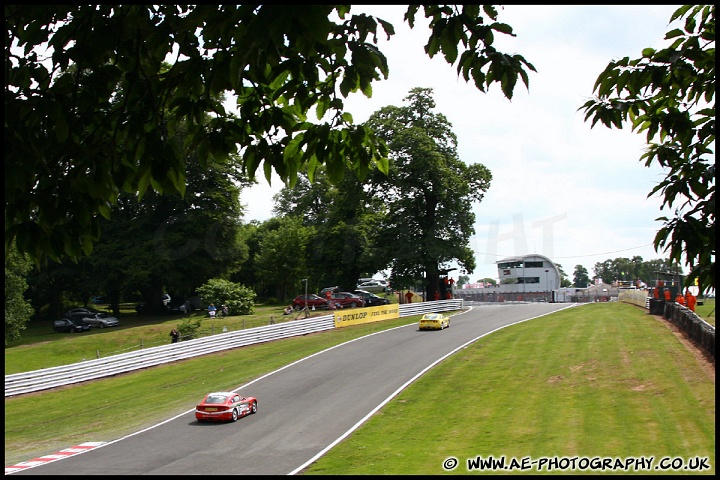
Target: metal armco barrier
{"points": [[47, 378]]}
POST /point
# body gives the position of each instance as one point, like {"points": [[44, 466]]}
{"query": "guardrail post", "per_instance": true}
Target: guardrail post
{"points": [[97, 353], [272, 321]]}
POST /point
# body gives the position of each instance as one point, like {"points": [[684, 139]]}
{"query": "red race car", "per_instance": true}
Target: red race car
{"points": [[224, 406]]}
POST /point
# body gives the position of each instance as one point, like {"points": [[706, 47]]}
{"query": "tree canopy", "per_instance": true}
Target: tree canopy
{"points": [[428, 192], [670, 95], [92, 105]]}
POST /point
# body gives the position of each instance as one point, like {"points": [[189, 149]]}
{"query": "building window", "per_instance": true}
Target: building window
{"points": [[534, 264], [510, 265]]}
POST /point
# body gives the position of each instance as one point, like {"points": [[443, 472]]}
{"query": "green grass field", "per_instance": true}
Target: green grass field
{"points": [[601, 380], [706, 311]]}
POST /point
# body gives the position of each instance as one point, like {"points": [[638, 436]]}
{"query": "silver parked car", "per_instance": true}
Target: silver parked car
{"points": [[101, 320], [374, 286]]}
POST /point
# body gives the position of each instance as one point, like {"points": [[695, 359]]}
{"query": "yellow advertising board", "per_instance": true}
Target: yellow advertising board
{"points": [[356, 316]]}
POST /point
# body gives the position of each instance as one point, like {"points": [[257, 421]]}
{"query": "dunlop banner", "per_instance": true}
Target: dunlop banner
{"points": [[357, 316]]}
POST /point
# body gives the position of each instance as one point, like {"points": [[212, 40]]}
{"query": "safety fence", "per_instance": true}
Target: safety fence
{"points": [[636, 297], [47, 378]]}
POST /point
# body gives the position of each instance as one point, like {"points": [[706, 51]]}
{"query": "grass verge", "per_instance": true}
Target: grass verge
{"points": [[40, 347]]}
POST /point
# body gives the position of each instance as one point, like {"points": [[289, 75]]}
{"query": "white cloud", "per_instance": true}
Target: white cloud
{"points": [[548, 165]]}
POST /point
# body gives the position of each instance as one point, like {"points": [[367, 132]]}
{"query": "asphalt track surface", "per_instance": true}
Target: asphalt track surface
{"points": [[304, 408]]}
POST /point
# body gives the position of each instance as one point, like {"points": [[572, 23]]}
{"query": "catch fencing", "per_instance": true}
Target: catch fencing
{"points": [[47, 378]]}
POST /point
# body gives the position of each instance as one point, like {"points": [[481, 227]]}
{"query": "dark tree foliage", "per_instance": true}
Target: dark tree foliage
{"points": [[428, 192], [344, 217], [92, 105]]}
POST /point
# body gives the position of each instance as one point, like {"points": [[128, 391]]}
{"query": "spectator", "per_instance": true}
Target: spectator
{"points": [[666, 293], [690, 300], [409, 296], [224, 310], [680, 299], [212, 310], [288, 310], [174, 336]]}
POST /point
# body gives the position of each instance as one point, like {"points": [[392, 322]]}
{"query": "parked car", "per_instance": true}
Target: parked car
{"points": [[80, 313], [347, 300], [142, 308], [371, 300], [324, 291], [101, 320], [374, 286], [69, 325], [224, 406], [311, 300], [180, 306], [434, 321]]}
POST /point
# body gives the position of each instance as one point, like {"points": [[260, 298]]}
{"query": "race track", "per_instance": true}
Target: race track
{"points": [[303, 408]]}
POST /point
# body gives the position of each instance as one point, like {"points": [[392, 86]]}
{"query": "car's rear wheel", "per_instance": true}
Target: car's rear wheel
{"points": [[253, 408], [235, 415], [102, 325]]}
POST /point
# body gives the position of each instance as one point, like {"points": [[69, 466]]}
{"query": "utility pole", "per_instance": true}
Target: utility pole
{"points": [[547, 285], [307, 312]]}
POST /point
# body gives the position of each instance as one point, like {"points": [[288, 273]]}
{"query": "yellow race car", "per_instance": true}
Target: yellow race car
{"points": [[434, 321]]}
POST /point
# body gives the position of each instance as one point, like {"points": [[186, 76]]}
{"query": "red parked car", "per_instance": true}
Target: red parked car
{"points": [[311, 299], [224, 406], [347, 300]]}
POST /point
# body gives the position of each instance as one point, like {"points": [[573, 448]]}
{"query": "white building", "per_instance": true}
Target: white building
{"points": [[523, 278], [527, 274]]}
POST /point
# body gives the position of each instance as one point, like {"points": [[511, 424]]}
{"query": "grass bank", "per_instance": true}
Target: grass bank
{"points": [[40, 347]]}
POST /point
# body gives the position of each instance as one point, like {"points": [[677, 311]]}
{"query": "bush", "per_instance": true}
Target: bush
{"points": [[239, 299], [189, 327]]}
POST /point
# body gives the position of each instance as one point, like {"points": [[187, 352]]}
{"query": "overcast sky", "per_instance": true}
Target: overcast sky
{"points": [[561, 189]]}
